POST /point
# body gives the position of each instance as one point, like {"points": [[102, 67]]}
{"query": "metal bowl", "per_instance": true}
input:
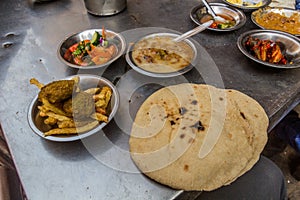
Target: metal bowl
{"points": [[247, 7], [113, 37], [146, 72], [200, 11], [86, 81], [289, 45], [287, 12]]}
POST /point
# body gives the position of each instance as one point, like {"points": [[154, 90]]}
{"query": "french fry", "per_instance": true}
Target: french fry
{"points": [[102, 99], [45, 112], [66, 124], [50, 121], [72, 123], [42, 114], [57, 116], [106, 91], [100, 117], [53, 108], [36, 83], [70, 131], [107, 97], [92, 90], [100, 103], [101, 110]]}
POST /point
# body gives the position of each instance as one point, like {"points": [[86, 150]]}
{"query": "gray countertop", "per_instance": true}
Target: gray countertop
{"points": [[99, 167]]}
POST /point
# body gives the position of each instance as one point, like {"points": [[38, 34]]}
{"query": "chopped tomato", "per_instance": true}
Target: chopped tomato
{"points": [[213, 25], [68, 55], [73, 47], [79, 61], [111, 49]]}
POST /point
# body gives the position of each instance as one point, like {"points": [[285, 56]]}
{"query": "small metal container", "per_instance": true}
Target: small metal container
{"points": [[114, 38], [219, 8], [289, 46], [105, 7], [243, 5], [86, 81], [284, 12]]}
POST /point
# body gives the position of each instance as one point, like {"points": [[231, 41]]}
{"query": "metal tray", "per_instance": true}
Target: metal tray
{"points": [[288, 43], [282, 11]]}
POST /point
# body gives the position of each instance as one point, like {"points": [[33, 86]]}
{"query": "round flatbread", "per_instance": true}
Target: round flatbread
{"points": [[255, 118], [197, 137]]}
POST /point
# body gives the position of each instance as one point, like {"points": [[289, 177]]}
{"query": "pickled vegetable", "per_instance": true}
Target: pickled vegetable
{"points": [[265, 50]]}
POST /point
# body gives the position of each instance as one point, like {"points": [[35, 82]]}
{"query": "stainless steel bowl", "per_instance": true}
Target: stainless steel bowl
{"points": [[289, 45], [248, 8], [113, 37], [137, 68], [219, 8], [287, 12], [86, 81]]}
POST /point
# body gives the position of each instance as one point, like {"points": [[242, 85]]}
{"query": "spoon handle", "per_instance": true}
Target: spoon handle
{"points": [[194, 31], [212, 12], [209, 8]]}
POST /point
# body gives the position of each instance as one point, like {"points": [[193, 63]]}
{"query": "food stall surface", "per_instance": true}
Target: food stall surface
{"points": [[94, 167]]}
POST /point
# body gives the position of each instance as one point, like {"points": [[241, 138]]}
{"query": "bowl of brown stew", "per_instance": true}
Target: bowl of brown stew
{"points": [[158, 55]]}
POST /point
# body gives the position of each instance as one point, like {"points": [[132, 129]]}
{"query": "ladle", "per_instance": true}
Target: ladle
{"points": [[194, 31], [212, 12]]}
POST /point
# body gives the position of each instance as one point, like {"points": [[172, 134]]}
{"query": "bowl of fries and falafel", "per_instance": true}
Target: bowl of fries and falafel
{"points": [[72, 108]]}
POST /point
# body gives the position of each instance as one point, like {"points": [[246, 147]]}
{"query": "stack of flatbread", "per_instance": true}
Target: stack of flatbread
{"points": [[197, 137]]}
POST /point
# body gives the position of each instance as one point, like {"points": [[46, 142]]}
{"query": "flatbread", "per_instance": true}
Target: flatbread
{"points": [[172, 125], [253, 115], [160, 54]]}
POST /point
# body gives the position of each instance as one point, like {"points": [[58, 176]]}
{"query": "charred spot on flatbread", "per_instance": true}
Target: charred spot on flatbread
{"points": [[194, 102], [182, 110], [198, 125], [242, 114]]}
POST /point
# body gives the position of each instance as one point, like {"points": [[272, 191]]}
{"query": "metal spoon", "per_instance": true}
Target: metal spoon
{"points": [[212, 12], [194, 31]]}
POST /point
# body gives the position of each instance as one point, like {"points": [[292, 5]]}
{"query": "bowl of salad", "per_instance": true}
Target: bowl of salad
{"points": [[91, 48], [234, 18]]}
